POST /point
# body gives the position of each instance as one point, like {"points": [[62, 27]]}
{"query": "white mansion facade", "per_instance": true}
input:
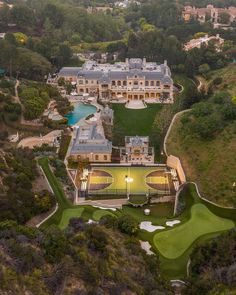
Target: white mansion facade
{"points": [[134, 79]]}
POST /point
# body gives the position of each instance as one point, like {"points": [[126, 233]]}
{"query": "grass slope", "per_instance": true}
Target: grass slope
{"points": [[63, 202], [173, 243], [68, 214], [228, 75], [98, 214], [212, 164]]}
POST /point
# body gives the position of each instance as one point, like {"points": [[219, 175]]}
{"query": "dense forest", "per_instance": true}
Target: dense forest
{"points": [[213, 266], [45, 35], [86, 259]]}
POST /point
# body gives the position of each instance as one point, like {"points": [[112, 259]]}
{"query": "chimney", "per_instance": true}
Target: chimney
{"points": [[127, 62], [165, 62], [144, 62]]}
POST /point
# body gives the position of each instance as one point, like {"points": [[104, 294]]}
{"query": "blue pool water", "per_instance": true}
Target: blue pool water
{"points": [[80, 111]]}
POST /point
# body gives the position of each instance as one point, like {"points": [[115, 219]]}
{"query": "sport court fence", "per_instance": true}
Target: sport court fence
{"points": [[122, 192]]}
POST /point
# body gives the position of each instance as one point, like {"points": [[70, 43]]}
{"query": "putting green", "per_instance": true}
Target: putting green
{"points": [[98, 214], [68, 214], [174, 242], [138, 175]]}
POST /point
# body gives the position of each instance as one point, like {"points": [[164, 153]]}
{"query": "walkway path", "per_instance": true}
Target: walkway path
{"points": [[169, 129], [203, 85]]}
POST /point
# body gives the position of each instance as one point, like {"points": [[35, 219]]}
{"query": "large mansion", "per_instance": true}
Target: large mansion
{"points": [[134, 79], [197, 43], [210, 13]]}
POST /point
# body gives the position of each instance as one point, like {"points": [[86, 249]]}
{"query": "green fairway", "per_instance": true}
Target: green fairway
{"points": [[68, 214], [98, 214], [118, 174], [173, 243]]}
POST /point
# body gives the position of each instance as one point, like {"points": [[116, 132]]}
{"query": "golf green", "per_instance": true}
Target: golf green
{"points": [[98, 214], [68, 214], [174, 242]]}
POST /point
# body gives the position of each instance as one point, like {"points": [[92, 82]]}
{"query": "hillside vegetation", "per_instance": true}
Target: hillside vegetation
{"points": [[86, 259], [205, 141], [223, 79]]}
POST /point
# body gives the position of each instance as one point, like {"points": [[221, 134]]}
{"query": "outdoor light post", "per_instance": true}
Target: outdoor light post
{"points": [[128, 180], [126, 183]]}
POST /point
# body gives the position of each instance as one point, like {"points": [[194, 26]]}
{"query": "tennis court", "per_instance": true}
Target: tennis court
{"points": [[134, 180]]}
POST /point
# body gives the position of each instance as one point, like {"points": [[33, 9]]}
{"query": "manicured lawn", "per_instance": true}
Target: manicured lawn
{"points": [[54, 183], [68, 214], [63, 202], [98, 214], [173, 243], [133, 122], [159, 212]]}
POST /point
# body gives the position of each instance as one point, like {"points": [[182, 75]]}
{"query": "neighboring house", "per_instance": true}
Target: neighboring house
{"points": [[125, 3], [134, 79], [91, 145], [2, 35], [210, 13], [197, 43], [137, 150]]}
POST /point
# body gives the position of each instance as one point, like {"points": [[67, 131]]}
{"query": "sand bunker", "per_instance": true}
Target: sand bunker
{"points": [[172, 223], [146, 247], [147, 225]]}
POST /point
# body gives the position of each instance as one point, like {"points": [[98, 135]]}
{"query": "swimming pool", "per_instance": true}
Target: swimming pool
{"points": [[80, 111]]}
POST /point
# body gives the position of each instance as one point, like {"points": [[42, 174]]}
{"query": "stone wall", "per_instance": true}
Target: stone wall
{"points": [[163, 199]]}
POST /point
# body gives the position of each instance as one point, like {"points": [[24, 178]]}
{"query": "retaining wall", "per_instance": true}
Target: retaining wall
{"points": [[175, 163]]}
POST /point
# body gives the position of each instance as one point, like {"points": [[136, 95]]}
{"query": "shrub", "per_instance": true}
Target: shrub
{"points": [[217, 81], [127, 224], [97, 238], [207, 126], [202, 109]]}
